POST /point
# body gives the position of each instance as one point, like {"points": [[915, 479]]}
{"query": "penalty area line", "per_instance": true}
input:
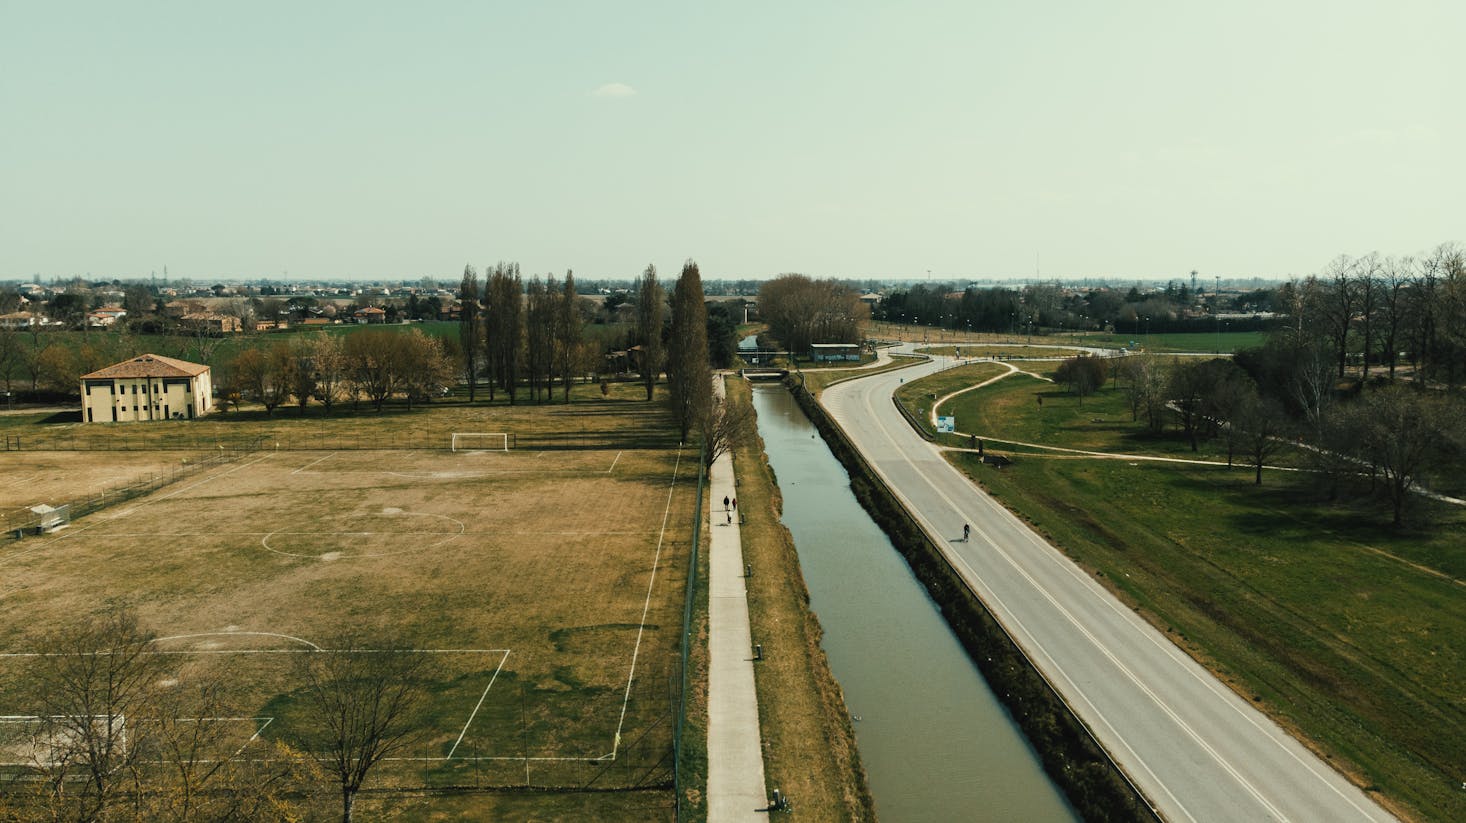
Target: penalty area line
{"points": [[646, 606], [478, 705]]}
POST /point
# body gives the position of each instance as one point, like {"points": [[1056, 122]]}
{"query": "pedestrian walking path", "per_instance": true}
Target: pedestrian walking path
{"points": [[735, 755]]}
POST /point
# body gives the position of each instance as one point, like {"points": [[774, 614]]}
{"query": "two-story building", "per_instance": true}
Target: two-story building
{"points": [[147, 387]]}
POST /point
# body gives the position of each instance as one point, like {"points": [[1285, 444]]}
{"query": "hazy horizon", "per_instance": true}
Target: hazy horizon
{"points": [[1129, 141]]}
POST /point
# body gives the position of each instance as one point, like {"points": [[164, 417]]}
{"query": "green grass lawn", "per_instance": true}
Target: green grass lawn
{"points": [[1331, 621], [1178, 341], [816, 381], [1009, 409], [1012, 351], [918, 395], [1338, 625]]}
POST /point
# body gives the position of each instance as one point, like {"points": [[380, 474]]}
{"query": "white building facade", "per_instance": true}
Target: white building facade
{"points": [[147, 387]]}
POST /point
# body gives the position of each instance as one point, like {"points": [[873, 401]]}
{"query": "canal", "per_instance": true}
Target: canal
{"points": [[936, 743]]}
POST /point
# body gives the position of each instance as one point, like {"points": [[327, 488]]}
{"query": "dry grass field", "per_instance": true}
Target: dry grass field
{"points": [[547, 582], [52, 477]]}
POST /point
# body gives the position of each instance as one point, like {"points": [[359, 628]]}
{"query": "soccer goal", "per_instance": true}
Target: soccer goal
{"points": [[482, 441]]}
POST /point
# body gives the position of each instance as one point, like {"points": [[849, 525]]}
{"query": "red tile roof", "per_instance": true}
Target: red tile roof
{"points": [[148, 365]]}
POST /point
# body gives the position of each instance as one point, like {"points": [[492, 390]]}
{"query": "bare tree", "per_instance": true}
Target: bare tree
{"points": [[202, 768], [91, 687], [1339, 300], [1260, 424], [1082, 374], [1367, 293], [539, 336], [1394, 281], [328, 362], [567, 333], [1405, 434], [726, 425], [1145, 389], [10, 354], [267, 374], [426, 367], [1311, 384], [801, 310], [364, 706]]}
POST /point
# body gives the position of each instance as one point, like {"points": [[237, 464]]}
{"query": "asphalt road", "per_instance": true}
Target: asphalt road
{"points": [[1196, 750]]}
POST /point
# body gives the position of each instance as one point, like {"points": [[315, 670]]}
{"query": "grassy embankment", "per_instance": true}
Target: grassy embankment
{"points": [[818, 381], [1100, 422], [1054, 349], [1334, 623], [1069, 754], [1228, 341], [918, 396], [809, 749]]}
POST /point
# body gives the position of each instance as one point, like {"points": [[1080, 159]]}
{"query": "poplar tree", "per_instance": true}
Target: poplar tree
{"points": [[469, 336], [689, 377], [649, 318], [569, 332], [539, 336], [504, 327]]}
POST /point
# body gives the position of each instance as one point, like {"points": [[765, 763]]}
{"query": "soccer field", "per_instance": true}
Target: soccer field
{"points": [[547, 584]]}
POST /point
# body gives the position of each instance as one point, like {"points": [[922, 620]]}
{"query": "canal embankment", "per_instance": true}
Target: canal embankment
{"points": [[1069, 754]]}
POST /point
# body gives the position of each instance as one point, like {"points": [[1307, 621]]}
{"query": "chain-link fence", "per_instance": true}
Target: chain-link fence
{"points": [[20, 522]]}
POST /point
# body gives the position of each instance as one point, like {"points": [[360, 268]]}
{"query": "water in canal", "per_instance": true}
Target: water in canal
{"points": [[936, 743]]}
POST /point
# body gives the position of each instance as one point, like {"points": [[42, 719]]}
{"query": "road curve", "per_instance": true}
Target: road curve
{"points": [[1193, 747]]}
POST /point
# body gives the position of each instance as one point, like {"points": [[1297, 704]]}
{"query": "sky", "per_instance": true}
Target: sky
{"points": [[967, 139]]}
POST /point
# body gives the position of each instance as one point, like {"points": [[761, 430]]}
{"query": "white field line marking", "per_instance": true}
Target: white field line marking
{"points": [[445, 537], [646, 606], [233, 758], [314, 462], [614, 462], [237, 634], [477, 706], [252, 738]]}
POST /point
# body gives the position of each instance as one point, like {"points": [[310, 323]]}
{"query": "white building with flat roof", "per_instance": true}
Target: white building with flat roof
{"points": [[147, 387]]}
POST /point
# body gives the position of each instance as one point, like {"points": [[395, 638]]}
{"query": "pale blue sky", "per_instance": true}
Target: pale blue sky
{"points": [[1121, 139]]}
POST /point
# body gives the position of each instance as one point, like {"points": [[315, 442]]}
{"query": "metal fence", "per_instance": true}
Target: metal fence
{"points": [[20, 522], [687, 607]]}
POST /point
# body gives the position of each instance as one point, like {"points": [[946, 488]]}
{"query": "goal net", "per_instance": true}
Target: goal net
{"points": [[482, 441]]}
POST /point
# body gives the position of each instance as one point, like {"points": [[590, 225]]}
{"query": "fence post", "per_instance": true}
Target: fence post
{"points": [[689, 597]]}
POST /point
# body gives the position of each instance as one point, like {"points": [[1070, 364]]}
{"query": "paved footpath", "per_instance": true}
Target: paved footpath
{"points": [[735, 756]]}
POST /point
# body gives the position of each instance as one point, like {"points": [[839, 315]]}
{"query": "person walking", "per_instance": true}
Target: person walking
{"points": [[966, 533], [735, 504], [725, 502]]}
